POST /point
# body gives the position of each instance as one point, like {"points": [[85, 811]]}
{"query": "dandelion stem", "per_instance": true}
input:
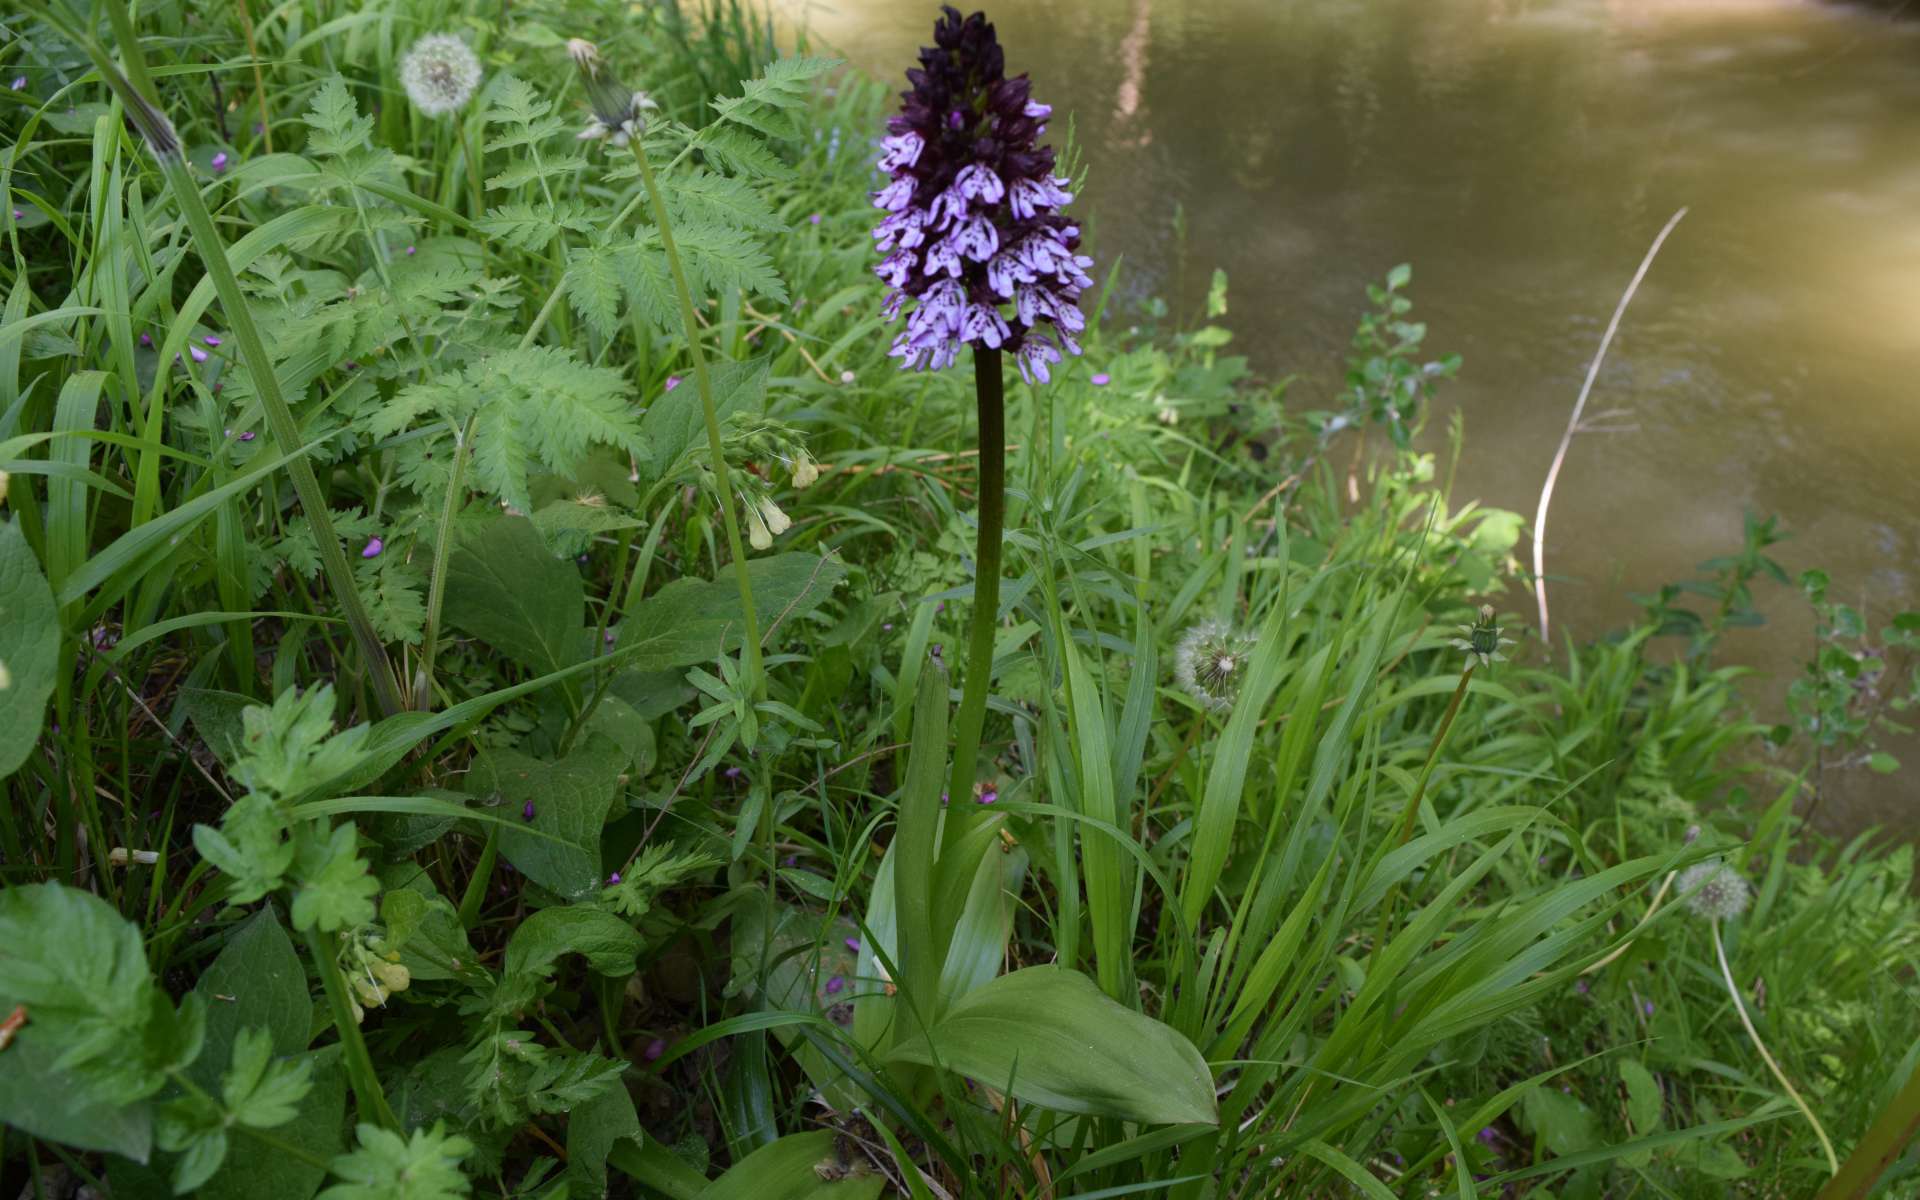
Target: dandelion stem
{"points": [[750, 642], [990, 395], [1739, 1006], [1440, 735]]}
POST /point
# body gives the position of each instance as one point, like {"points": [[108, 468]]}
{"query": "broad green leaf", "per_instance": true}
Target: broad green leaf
{"points": [[676, 421], [255, 1169], [568, 800], [38, 1098], [592, 1130], [256, 982], [1644, 1101], [1563, 1122], [608, 943], [507, 589], [695, 621], [1050, 1037], [789, 1168], [29, 647]]}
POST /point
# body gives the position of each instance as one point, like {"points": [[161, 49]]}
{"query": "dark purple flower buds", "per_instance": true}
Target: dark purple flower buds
{"points": [[973, 227]]}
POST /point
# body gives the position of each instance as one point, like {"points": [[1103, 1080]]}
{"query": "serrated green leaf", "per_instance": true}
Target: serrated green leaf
{"points": [[609, 944], [256, 981], [425, 1166], [693, 621], [333, 122], [570, 801], [593, 288], [676, 422], [259, 1091], [335, 890]]}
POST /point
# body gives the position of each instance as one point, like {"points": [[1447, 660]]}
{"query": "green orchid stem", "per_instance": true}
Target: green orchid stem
{"points": [[990, 396], [158, 132], [325, 949], [1391, 905], [1740, 1007], [750, 641], [1885, 1140]]}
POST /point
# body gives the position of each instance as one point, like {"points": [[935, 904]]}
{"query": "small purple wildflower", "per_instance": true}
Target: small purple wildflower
{"points": [[613, 879], [886, 627], [814, 219], [410, 250], [654, 1050], [526, 811], [834, 985], [373, 548], [199, 355], [219, 162], [731, 773], [211, 340], [1647, 1007], [673, 381], [987, 797], [146, 339], [1580, 987], [934, 649], [853, 944], [1101, 380], [19, 83], [972, 218], [1487, 1136]]}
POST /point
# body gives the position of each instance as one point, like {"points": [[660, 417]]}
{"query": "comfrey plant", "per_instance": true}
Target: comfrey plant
{"points": [[973, 234]]}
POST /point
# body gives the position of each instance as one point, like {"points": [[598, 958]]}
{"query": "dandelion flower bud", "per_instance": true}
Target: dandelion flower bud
{"points": [[1210, 662], [439, 74], [1482, 641], [1715, 890], [617, 111]]}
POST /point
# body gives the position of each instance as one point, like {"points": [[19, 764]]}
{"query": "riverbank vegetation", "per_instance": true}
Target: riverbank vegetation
{"points": [[410, 796]]}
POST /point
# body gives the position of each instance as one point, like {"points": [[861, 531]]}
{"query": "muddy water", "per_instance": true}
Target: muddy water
{"points": [[1521, 154]]}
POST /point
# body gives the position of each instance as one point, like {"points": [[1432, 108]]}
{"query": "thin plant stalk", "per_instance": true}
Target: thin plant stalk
{"points": [[442, 550], [158, 133], [750, 642], [990, 398], [325, 949], [1739, 1006], [1392, 902], [1885, 1140]]}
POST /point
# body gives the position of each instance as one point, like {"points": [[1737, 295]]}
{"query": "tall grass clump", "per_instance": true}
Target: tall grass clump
{"points": [[507, 689]]}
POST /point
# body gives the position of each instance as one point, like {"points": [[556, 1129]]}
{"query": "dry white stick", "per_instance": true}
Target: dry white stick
{"points": [[1573, 426]]}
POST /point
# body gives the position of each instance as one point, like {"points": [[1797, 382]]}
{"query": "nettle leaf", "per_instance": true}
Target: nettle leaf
{"points": [[609, 944], [1050, 1037], [335, 890], [333, 122], [507, 589], [100, 1036], [29, 647], [693, 621], [425, 1166]]}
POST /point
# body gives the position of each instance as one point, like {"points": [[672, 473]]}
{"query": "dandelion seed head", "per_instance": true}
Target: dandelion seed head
{"points": [[439, 74], [1210, 662], [1714, 890]]}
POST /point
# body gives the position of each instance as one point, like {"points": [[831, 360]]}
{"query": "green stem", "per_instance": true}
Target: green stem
{"points": [[1739, 1006], [476, 892], [442, 550], [325, 949], [1885, 1140], [1440, 735], [253, 351], [750, 643], [990, 397]]}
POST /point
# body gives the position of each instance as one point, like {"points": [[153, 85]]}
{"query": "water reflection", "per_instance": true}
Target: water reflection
{"points": [[1522, 153]]}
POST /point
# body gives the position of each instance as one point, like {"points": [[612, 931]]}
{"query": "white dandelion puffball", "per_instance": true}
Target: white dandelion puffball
{"points": [[1210, 662], [439, 73], [1715, 890]]}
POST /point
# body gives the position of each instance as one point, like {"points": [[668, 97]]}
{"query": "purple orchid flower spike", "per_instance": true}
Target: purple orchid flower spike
{"points": [[973, 225]]}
